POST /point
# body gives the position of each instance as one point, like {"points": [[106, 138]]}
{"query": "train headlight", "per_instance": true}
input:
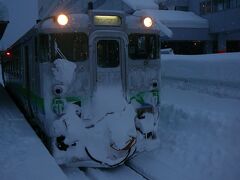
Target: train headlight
{"points": [[147, 22], [62, 19]]}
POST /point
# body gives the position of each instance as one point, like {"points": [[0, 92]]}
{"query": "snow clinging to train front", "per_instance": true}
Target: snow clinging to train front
{"points": [[108, 120], [64, 71]]}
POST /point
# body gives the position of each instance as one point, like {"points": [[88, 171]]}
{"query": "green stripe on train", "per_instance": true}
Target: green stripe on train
{"points": [[139, 96], [39, 101]]}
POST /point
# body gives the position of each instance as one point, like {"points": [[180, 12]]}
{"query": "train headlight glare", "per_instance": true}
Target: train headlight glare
{"points": [[62, 19], [147, 22]]}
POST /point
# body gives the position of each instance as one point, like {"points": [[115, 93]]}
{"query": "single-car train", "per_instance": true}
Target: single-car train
{"points": [[91, 82]]}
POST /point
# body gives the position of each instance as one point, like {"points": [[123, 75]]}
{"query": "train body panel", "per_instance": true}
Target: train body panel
{"points": [[92, 85]]}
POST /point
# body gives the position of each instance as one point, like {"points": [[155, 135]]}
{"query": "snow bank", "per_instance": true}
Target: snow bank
{"points": [[216, 74], [199, 138], [214, 67], [198, 131]]}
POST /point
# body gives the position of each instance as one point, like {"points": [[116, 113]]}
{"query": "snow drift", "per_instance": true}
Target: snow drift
{"points": [[213, 74]]}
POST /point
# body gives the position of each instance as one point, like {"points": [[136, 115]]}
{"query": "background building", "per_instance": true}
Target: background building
{"points": [[223, 31]]}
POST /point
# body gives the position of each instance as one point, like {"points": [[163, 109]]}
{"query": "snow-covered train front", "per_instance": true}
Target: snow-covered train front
{"points": [[91, 81]]}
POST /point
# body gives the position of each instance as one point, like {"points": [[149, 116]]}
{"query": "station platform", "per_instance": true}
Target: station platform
{"points": [[22, 154]]}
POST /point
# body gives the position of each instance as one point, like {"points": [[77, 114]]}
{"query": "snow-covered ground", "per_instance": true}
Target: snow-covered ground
{"points": [[22, 155], [199, 138], [119, 173], [200, 120]]}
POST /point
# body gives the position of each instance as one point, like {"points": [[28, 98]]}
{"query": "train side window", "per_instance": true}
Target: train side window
{"points": [[72, 46], [44, 48], [143, 46]]}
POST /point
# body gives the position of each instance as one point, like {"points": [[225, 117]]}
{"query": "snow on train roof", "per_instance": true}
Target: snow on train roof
{"points": [[3, 12], [178, 19], [141, 4]]}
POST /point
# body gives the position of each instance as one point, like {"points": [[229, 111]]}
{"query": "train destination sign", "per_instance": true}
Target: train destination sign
{"points": [[103, 20]]}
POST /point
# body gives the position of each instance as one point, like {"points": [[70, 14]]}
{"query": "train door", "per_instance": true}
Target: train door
{"points": [[108, 73], [110, 63]]}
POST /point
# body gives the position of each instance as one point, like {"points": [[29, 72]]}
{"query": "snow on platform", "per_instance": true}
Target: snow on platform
{"points": [[22, 155]]}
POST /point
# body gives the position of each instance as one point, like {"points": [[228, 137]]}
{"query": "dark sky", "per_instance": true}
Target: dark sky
{"points": [[22, 16]]}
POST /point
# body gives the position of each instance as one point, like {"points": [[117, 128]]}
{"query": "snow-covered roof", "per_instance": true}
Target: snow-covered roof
{"points": [[141, 4], [3, 12], [180, 19]]}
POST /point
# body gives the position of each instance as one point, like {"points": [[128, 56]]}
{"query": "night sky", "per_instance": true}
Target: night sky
{"points": [[22, 16]]}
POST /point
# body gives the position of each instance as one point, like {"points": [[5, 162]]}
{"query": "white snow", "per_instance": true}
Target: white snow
{"points": [[22, 155], [211, 67], [199, 138], [113, 124], [141, 4], [178, 19], [64, 71], [74, 174], [119, 173], [198, 130]]}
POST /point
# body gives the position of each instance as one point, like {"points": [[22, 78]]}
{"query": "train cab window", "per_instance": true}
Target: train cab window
{"points": [[108, 53], [143, 46], [44, 48], [72, 46]]}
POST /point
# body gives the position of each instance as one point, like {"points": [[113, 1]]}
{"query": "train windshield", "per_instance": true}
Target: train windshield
{"points": [[143, 46], [70, 46], [108, 53]]}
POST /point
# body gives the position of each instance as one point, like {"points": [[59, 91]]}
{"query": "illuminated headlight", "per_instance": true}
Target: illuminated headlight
{"points": [[147, 22], [62, 19]]}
